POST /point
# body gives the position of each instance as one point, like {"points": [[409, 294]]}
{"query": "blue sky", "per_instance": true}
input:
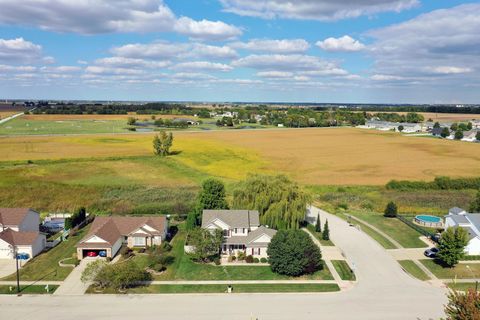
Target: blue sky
{"points": [[371, 51]]}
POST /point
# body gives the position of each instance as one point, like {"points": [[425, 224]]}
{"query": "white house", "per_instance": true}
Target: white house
{"points": [[470, 136], [110, 233], [458, 217], [19, 232], [241, 231]]}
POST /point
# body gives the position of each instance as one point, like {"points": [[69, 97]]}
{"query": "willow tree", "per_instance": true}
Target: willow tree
{"points": [[280, 201]]}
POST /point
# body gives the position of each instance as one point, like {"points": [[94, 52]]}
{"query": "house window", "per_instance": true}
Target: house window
{"points": [[243, 231], [139, 241], [235, 230], [225, 233]]}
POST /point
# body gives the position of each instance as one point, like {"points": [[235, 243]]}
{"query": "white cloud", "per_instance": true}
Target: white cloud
{"points": [[19, 50], [112, 71], [436, 45], [214, 52], [122, 62], [107, 16], [206, 30], [64, 69], [274, 46], [203, 66], [314, 9], [449, 70], [345, 44], [156, 50], [385, 77], [275, 74]]}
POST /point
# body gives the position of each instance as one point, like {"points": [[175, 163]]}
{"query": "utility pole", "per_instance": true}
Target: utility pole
{"points": [[14, 249]]}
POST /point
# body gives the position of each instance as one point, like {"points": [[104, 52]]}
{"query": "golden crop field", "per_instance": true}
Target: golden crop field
{"points": [[335, 156], [5, 114]]}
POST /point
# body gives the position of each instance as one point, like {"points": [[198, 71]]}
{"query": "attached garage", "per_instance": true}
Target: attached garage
{"points": [[96, 244]]}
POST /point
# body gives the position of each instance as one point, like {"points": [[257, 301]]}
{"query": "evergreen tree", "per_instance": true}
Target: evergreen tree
{"points": [[318, 226], [391, 210], [212, 197], [452, 246], [326, 232], [436, 125]]}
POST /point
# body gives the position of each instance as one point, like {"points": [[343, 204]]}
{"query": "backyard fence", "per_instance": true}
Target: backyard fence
{"points": [[414, 226]]}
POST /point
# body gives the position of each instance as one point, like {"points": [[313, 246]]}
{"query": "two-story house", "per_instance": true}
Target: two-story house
{"points": [[19, 232], [458, 217], [108, 234], [241, 231]]}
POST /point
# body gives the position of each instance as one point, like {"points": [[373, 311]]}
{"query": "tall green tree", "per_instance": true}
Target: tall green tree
{"points": [[475, 205], [206, 244], [452, 246], [445, 132], [326, 231], [293, 253], [458, 135], [391, 210], [280, 201], [436, 125], [318, 225], [212, 197], [162, 143]]}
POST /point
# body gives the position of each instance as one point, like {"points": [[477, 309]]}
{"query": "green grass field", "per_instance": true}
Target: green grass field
{"points": [[183, 268], [33, 289], [410, 267], [319, 236], [399, 231], [237, 288], [45, 266], [344, 270], [20, 126], [384, 242], [464, 286], [460, 271]]}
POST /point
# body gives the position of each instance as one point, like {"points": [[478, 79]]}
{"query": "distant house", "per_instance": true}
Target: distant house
{"points": [[241, 231], [470, 136], [19, 232], [458, 217], [392, 126], [437, 132], [190, 122], [110, 233]]}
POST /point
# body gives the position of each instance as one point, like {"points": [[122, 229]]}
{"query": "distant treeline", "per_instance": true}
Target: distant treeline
{"points": [[439, 183], [149, 108]]}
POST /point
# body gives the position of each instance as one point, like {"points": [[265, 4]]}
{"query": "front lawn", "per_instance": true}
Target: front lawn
{"points": [[399, 231], [464, 286], [414, 270], [460, 271], [34, 289], [45, 266], [183, 268], [237, 288], [343, 270], [384, 242], [319, 236]]}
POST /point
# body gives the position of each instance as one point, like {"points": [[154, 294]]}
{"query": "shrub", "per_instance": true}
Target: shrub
{"points": [[249, 259], [391, 210], [165, 247], [241, 256], [166, 260], [343, 206], [158, 267], [293, 253], [217, 261], [256, 260], [126, 252], [263, 260]]}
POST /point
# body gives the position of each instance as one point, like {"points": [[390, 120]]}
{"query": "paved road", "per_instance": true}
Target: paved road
{"points": [[383, 291]]}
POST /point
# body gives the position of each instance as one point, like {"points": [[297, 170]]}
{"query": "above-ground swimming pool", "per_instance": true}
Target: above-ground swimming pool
{"points": [[429, 221]]}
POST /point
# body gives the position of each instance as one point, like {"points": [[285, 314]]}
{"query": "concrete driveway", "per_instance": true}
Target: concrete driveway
{"points": [[7, 267], [72, 285], [383, 291]]}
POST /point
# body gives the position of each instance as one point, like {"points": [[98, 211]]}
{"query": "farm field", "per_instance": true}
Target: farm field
{"points": [[6, 114], [331, 156]]}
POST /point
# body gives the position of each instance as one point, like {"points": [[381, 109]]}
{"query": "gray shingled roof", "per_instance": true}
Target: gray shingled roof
{"points": [[234, 218], [252, 236], [455, 210], [460, 219]]}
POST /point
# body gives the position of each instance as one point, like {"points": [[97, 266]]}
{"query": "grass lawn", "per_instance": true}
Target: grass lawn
{"points": [[384, 242], [461, 271], [318, 235], [410, 267], [237, 288], [399, 231], [34, 289], [25, 126], [344, 270], [463, 286], [185, 269], [45, 266]]}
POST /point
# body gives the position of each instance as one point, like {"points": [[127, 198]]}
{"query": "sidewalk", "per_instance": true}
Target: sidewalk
{"points": [[72, 285]]}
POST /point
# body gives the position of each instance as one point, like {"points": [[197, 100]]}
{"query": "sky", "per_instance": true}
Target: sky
{"points": [[324, 51]]}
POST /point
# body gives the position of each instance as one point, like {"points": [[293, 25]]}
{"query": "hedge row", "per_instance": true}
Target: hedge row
{"points": [[439, 183]]}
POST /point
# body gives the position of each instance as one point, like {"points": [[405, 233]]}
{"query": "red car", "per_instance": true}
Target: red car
{"points": [[92, 254]]}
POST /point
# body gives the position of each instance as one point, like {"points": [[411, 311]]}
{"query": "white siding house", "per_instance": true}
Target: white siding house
{"points": [[458, 217]]}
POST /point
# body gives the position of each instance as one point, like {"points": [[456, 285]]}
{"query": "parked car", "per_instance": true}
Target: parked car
{"points": [[436, 237], [431, 252], [102, 254], [92, 254]]}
